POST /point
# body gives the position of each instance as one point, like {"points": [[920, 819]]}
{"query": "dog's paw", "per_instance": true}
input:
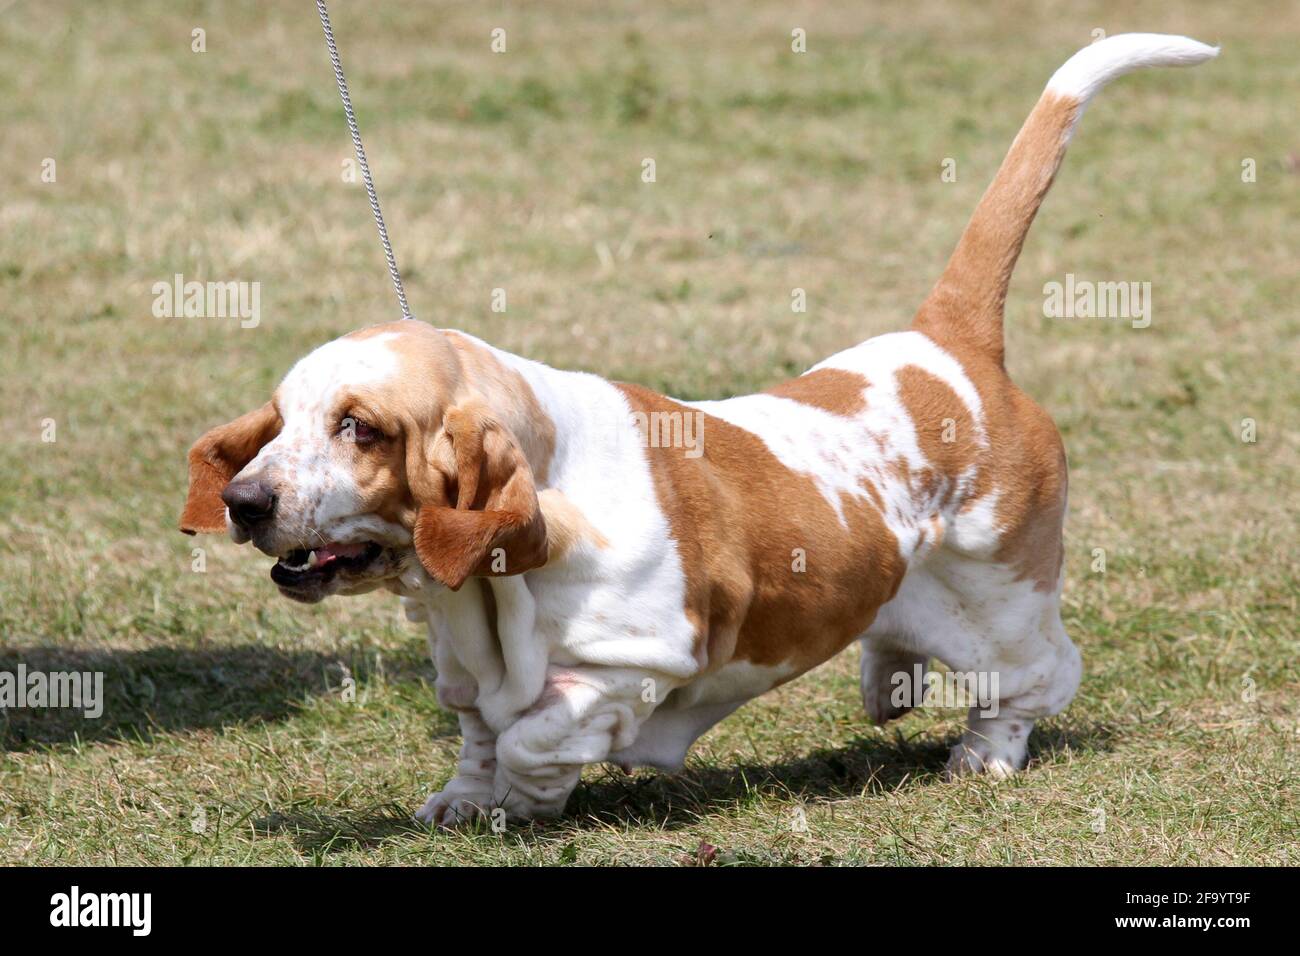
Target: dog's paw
{"points": [[978, 758], [448, 809]]}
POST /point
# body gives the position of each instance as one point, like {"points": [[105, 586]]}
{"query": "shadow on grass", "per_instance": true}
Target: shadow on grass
{"points": [[870, 764], [164, 689], [874, 764], [320, 833]]}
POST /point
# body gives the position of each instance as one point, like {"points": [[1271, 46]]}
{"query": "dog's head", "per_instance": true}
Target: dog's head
{"points": [[396, 444]]}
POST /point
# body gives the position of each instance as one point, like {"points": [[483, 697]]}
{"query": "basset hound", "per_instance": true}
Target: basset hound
{"points": [[606, 572]]}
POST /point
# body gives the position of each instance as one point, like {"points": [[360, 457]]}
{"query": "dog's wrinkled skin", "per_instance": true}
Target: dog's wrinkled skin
{"points": [[592, 593]]}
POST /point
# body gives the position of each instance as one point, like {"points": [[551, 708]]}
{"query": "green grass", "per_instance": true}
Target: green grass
{"points": [[775, 171]]}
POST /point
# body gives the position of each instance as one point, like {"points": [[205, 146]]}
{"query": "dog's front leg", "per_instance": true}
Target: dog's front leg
{"points": [[468, 794], [583, 714]]}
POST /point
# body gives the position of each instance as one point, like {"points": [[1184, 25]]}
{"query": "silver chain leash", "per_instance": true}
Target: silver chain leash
{"points": [[361, 158]]}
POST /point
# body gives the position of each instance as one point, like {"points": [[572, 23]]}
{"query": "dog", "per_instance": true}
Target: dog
{"points": [[596, 592]]}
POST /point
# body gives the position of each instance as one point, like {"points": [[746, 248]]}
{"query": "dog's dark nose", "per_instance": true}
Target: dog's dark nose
{"points": [[250, 502]]}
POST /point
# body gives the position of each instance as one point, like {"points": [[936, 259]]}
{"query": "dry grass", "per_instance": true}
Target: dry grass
{"points": [[521, 171]]}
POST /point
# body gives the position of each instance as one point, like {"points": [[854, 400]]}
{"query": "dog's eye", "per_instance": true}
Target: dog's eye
{"points": [[355, 430]]}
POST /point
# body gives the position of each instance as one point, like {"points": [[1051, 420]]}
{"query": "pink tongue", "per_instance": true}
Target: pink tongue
{"points": [[332, 551]]}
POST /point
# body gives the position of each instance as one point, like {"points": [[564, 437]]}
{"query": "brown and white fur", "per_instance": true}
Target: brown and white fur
{"points": [[591, 596]]}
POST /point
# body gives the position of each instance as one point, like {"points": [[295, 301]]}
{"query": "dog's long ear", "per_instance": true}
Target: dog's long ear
{"points": [[485, 520], [216, 458]]}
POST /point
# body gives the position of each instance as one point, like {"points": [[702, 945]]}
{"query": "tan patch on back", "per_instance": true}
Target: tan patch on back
{"points": [[834, 390], [1024, 464], [945, 430], [1031, 504], [737, 516]]}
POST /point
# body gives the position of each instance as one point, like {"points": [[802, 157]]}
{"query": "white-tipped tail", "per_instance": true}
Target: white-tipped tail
{"points": [[1094, 66], [966, 303]]}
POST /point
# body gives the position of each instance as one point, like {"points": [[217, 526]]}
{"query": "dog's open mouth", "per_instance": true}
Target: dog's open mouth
{"points": [[310, 569]]}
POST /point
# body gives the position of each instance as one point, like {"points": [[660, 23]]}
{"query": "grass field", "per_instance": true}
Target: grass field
{"points": [[226, 738]]}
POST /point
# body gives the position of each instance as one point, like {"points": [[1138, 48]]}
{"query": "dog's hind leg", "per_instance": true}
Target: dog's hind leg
{"points": [[1005, 646], [1037, 676], [890, 671]]}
